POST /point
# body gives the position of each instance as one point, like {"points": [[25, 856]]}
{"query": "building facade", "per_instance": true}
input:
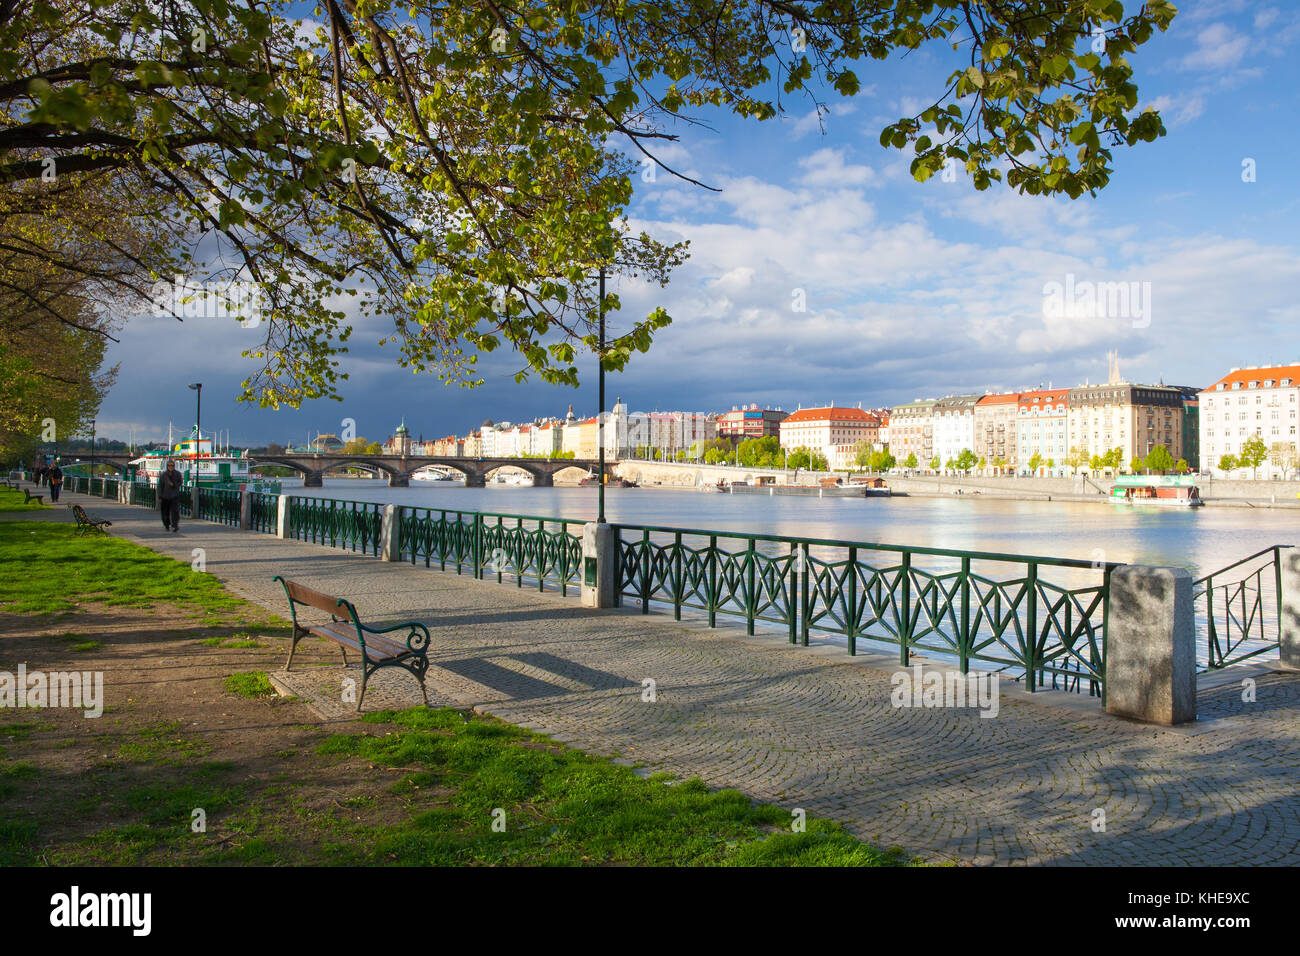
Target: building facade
{"points": [[1248, 402], [911, 432], [820, 429], [750, 422], [1042, 430], [995, 431], [953, 420]]}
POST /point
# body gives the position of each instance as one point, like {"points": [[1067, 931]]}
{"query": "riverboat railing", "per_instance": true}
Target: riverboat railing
{"points": [[996, 609], [1239, 610], [529, 548]]}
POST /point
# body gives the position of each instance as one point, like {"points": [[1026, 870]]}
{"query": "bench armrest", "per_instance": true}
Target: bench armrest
{"points": [[417, 639]]}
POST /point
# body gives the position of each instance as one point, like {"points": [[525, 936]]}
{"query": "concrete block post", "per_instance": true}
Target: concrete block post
{"points": [[1289, 611], [245, 511], [598, 547], [282, 518], [1151, 645], [390, 547]]}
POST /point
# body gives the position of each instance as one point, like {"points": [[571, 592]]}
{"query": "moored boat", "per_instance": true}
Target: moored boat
{"points": [[1160, 491]]}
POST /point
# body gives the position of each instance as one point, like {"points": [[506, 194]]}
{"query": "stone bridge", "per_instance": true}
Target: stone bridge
{"points": [[399, 468]]}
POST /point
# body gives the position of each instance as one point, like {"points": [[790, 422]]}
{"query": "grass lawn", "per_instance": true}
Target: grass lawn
{"points": [[197, 761], [46, 568], [11, 500]]}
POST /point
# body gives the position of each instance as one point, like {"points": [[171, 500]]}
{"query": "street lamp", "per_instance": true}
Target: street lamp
{"points": [[198, 420], [600, 421]]}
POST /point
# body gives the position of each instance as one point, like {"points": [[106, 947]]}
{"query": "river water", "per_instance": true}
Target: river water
{"points": [[1201, 539]]}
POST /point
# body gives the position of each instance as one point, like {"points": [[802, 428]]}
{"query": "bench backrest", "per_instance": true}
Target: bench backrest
{"points": [[80, 512], [301, 594]]}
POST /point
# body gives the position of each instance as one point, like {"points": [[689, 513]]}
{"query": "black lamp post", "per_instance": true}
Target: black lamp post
{"points": [[600, 428], [198, 425], [92, 446]]}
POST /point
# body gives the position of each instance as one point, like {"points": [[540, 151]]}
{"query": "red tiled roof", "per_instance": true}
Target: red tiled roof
{"points": [[1244, 375], [999, 399], [823, 414]]}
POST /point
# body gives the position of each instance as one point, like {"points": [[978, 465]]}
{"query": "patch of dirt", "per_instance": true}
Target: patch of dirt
{"points": [[169, 731]]}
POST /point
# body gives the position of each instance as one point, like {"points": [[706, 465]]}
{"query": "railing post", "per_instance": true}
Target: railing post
{"points": [[677, 576], [476, 548], [1031, 628], [599, 543], [390, 527], [1151, 645], [963, 639], [751, 595], [905, 622], [713, 580], [1288, 601], [793, 600], [645, 571], [282, 529], [245, 511], [851, 602], [806, 596]]}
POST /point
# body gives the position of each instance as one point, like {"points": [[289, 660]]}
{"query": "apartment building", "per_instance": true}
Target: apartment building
{"points": [[1042, 429], [911, 431], [822, 428], [1258, 400], [995, 430], [953, 421]]}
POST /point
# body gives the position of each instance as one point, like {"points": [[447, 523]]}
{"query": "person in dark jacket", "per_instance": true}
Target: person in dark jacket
{"points": [[169, 496], [56, 482]]}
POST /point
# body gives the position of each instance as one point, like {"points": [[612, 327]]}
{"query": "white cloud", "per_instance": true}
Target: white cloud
{"points": [[1218, 47]]}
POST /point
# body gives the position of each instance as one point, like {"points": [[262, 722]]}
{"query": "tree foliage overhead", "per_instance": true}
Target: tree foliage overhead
{"points": [[463, 167]]}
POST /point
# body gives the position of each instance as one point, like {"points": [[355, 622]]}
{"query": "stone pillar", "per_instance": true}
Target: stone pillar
{"points": [[544, 479], [194, 502], [475, 480], [399, 481], [1151, 645], [245, 511], [1289, 604], [598, 547], [313, 479], [282, 518], [389, 544]]}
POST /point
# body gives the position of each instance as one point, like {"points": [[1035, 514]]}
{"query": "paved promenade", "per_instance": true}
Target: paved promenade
{"points": [[808, 727]]}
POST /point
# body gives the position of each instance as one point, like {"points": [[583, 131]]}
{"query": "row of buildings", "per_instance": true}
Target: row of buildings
{"points": [[1042, 431]]}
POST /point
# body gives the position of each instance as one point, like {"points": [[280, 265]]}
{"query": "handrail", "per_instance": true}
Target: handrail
{"points": [[1271, 549]]}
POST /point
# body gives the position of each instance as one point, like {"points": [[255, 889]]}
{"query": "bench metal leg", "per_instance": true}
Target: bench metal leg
{"points": [[298, 635]]}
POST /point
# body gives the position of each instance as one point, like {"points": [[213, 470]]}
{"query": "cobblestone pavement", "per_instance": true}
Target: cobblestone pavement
{"points": [[808, 727]]}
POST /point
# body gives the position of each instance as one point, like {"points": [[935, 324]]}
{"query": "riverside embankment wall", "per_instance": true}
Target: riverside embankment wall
{"points": [[680, 475]]}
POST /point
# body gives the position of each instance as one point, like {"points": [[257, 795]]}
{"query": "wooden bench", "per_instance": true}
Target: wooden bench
{"points": [[39, 499], [87, 524], [345, 629]]}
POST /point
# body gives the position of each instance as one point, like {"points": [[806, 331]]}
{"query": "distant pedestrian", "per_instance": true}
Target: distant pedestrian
{"points": [[56, 482], [169, 496]]}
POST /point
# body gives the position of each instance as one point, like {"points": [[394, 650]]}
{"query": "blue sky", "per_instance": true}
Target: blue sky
{"points": [[912, 289]]}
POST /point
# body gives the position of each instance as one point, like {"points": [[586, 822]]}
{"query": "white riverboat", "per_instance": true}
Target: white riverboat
{"points": [[198, 461]]}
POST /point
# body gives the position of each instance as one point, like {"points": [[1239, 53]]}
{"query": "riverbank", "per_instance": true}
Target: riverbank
{"points": [[195, 760], [808, 728]]}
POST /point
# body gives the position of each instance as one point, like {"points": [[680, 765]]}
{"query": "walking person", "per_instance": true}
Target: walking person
{"points": [[56, 482], [169, 496]]}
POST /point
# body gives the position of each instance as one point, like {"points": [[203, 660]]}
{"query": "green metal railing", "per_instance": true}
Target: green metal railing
{"points": [[971, 606], [265, 511], [1239, 609], [146, 495], [219, 504], [110, 487], [529, 548], [353, 525]]}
